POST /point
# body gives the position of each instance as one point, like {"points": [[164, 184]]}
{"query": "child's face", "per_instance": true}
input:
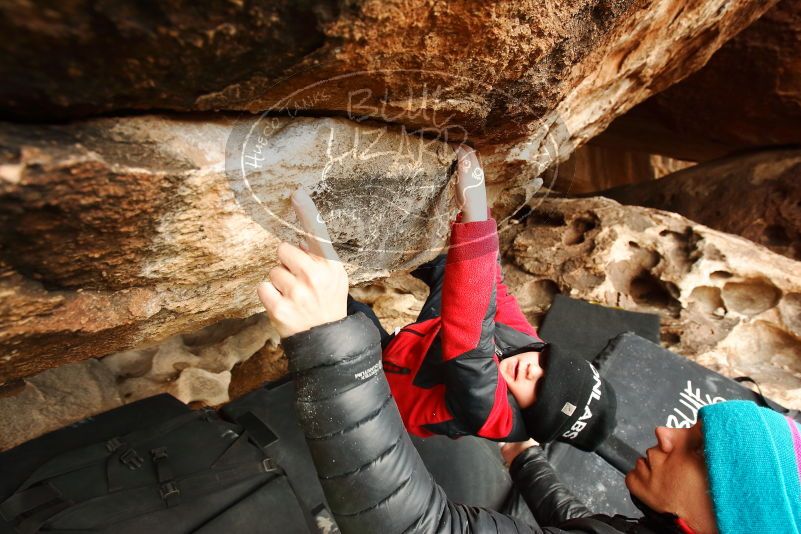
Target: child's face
{"points": [[522, 372]]}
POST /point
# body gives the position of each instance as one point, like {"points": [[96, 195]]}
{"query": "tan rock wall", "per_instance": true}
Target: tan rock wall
{"points": [[526, 84], [119, 233], [756, 195], [725, 302], [748, 95]]}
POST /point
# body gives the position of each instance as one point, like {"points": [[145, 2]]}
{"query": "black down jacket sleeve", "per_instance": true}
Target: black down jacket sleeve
{"points": [[371, 473], [551, 502]]}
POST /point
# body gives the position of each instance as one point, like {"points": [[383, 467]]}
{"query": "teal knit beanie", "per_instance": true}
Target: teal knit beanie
{"points": [[752, 456]]}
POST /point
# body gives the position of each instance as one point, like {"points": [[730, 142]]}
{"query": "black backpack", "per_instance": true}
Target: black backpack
{"points": [[157, 466]]}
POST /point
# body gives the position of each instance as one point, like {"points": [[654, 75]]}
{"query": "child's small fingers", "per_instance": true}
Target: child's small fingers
{"points": [[464, 164], [470, 174]]}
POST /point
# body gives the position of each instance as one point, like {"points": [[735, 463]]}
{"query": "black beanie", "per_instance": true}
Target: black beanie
{"points": [[574, 405]]}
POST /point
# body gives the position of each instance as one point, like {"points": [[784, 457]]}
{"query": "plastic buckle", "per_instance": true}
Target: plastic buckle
{"points": [[230, 434], [159, 454], [113, 444], [169, 489], [131, 459], [269, 465]]}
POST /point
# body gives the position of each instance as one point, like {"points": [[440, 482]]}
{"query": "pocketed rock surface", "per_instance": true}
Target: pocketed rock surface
{"points": [[724, 302]]}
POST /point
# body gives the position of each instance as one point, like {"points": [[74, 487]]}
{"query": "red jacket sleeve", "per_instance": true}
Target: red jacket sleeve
{"points": [[468, 307], [475, 392]]}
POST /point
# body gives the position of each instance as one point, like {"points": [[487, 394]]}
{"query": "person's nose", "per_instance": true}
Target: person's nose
{"points": [[665, 438], [533, 371]]}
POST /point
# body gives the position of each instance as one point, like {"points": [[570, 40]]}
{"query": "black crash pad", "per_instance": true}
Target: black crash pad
{"points": [[654, 387], [579, 329], [455, 464]]}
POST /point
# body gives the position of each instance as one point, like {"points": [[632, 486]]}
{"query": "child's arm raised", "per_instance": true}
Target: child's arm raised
{"points": [[475, 392]]}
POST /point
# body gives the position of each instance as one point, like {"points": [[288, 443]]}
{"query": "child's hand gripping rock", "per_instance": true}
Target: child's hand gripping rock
{"points": [[471, 194]]}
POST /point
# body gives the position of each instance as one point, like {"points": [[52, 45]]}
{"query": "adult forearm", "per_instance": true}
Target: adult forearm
{"points": [[371, 473], [551, 502]]}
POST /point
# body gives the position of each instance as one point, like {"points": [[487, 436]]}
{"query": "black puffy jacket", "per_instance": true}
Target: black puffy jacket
{"points": [[371, 473]]}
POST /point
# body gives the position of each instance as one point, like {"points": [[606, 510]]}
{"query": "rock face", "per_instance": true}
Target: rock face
{"points": [[724, 302], [119, 233], [593, 168], [748, 95], [755, 195], [56, 398], [195, 367], [208, 367], [525, 84], [199, 369]]}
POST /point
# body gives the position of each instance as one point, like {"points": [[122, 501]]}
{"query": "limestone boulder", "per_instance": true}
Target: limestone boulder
{"points": [[56, 398], [756, 195], [121, 232], [724, 302], [115, 234], [748, 95], [196, 367], [208, 367], [526, 83]]}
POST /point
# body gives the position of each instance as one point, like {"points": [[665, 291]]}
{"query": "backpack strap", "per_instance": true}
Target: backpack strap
{"points": [[168, 490], [262, 435], [766, 402], [32, 524], [135, 438], [126, 454], [148, 499], [91, 454], [27, 500], [259, 432]]}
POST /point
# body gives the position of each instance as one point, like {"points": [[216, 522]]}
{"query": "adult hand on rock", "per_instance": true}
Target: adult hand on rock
{"points": [[471, 194], [310, 287]]}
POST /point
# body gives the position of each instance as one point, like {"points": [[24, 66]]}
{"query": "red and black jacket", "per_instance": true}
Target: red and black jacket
{"points": [[443, 372]]}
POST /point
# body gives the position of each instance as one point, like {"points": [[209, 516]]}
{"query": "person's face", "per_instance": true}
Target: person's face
{"points": [[672, 477], [521, 373]]}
